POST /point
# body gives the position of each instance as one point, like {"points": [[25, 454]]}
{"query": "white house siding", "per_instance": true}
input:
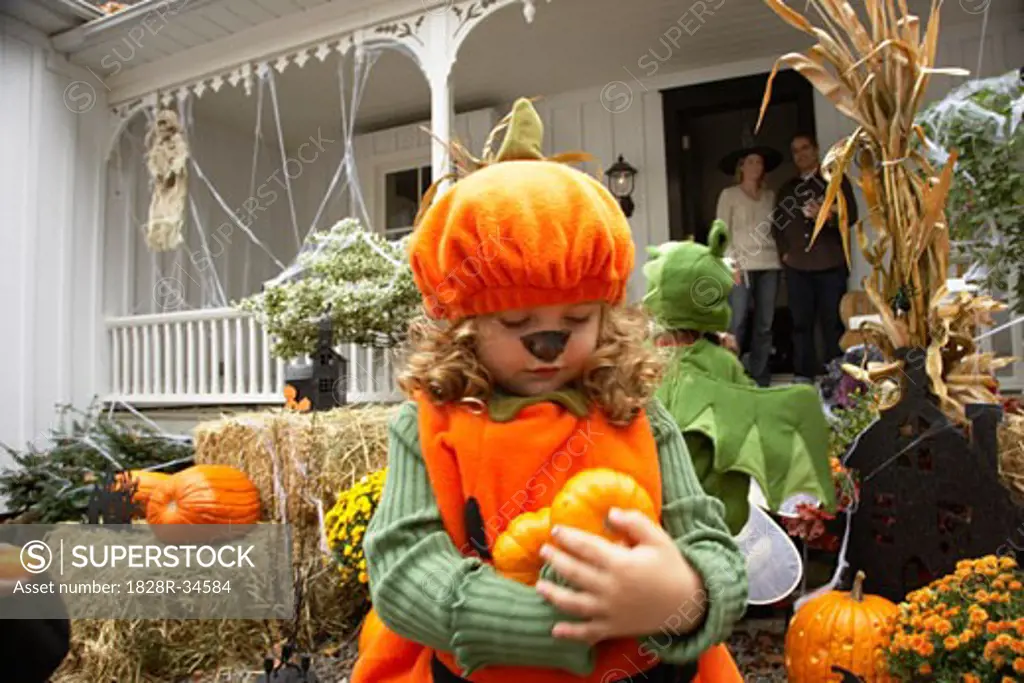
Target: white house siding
{"points": [[49, 237]]}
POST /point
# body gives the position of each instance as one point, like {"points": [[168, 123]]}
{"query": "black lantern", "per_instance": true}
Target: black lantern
{"points": [[620, 181]]}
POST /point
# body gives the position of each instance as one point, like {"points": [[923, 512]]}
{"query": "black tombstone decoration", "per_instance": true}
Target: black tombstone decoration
{"points": [[111, 503], [930, 493], [286, 671], [324, 380]]}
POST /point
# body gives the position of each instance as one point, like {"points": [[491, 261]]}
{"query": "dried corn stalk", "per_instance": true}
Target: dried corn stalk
{"points": [[876, 74]]}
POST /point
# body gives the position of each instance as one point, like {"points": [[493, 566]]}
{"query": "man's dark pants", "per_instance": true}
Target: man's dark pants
{"points": [[814, 296]]}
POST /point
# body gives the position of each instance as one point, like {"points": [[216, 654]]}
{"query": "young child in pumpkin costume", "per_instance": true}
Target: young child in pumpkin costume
{"points": [[530, 373]]}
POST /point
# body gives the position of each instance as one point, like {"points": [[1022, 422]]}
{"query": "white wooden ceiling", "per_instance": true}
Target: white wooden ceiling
{"points": [[572, 44]]}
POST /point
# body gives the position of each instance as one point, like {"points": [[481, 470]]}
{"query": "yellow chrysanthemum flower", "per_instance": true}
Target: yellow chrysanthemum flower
{"points": [[347, 523]]}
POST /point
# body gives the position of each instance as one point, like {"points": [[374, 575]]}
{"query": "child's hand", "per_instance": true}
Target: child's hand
{"points": [[729, 342], [623, 591]]}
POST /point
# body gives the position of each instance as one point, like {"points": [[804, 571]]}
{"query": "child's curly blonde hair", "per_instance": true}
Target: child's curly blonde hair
{"points": [[620, 378]]}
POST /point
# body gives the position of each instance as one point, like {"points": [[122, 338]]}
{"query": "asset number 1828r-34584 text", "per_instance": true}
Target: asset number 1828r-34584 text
{"points": [[185, 587]]}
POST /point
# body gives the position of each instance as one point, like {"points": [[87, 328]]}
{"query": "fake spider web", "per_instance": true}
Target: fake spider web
{"points": [[213, 198]]}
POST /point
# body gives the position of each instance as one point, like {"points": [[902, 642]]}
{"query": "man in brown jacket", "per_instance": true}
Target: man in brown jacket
{"points": [[816, 276]]}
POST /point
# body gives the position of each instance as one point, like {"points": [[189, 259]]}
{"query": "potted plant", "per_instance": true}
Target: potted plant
{"points": [[851, 406], [360, 278], [966, 626]]}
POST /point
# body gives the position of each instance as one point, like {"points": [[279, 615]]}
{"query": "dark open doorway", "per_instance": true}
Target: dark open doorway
{"points": [[702, 124]]}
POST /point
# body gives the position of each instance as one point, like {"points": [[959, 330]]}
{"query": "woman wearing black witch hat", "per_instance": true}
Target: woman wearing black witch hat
{"points": [[746, 208]]}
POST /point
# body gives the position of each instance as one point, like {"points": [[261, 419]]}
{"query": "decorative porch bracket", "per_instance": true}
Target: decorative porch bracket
{"points": [[432, 39]]}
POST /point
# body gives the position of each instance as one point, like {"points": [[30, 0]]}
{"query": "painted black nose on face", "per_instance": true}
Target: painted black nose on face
{"points": [[547, 345]]}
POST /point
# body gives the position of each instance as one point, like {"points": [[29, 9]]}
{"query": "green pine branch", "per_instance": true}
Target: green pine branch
{"points": [[52, 483]]}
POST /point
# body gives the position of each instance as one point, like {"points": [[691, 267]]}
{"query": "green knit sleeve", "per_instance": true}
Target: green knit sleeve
{"points": [[425, 590], [696, 521]]}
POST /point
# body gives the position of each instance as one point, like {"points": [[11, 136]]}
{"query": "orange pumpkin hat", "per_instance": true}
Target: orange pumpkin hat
{"points": [[520, 230]]}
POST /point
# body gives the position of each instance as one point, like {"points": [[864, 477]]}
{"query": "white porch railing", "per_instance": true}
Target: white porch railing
{"points": [[218, 356]]}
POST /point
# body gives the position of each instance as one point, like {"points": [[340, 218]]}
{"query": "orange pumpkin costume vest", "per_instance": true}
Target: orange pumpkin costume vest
{"points": [[509, 468]]}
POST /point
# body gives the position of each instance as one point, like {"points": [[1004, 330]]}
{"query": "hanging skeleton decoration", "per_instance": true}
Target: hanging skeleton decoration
{"points": [[166, 158]]}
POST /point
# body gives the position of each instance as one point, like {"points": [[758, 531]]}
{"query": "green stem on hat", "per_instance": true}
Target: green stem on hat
{"points": [[524, 135]]}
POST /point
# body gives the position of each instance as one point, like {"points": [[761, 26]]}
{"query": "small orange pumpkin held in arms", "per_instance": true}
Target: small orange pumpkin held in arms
{"points": [[144, 481], [587, 498], [202, 494], [517, 549], [839, 628]]}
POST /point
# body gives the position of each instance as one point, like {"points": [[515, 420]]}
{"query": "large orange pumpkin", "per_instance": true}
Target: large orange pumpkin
{"points": [[203, 494], [586, 499], [144, 481], [517, 550], [839, 628]]}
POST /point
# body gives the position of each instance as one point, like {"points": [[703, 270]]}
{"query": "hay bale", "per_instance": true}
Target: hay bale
{"points": [[172, 650], [300, 462], [298, 459]]}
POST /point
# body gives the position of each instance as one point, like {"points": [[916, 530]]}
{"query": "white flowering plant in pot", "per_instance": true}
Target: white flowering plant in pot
{"points": [[361, 279]]}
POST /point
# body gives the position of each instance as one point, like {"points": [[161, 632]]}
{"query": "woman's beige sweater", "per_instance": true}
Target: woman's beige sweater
{"points": [[751, 242]]}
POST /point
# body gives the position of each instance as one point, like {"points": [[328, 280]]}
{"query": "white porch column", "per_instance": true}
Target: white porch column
{"points": [[441, 115], [433, 41]]}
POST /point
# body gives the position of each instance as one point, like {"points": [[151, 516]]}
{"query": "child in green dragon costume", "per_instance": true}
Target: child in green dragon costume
{"points": [[734, 430]]}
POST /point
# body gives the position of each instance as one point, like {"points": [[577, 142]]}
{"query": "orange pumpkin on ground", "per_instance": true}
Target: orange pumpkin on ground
{"points": [[517, 550], [145, 481], [202, 494], [839, 628], [586, 499]]}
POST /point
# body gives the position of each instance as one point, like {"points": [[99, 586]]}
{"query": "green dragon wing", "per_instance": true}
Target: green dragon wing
{"points": [[777, 435]]}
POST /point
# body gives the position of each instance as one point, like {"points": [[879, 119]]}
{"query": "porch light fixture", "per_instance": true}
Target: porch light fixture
{"points": [[620, 177]]}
